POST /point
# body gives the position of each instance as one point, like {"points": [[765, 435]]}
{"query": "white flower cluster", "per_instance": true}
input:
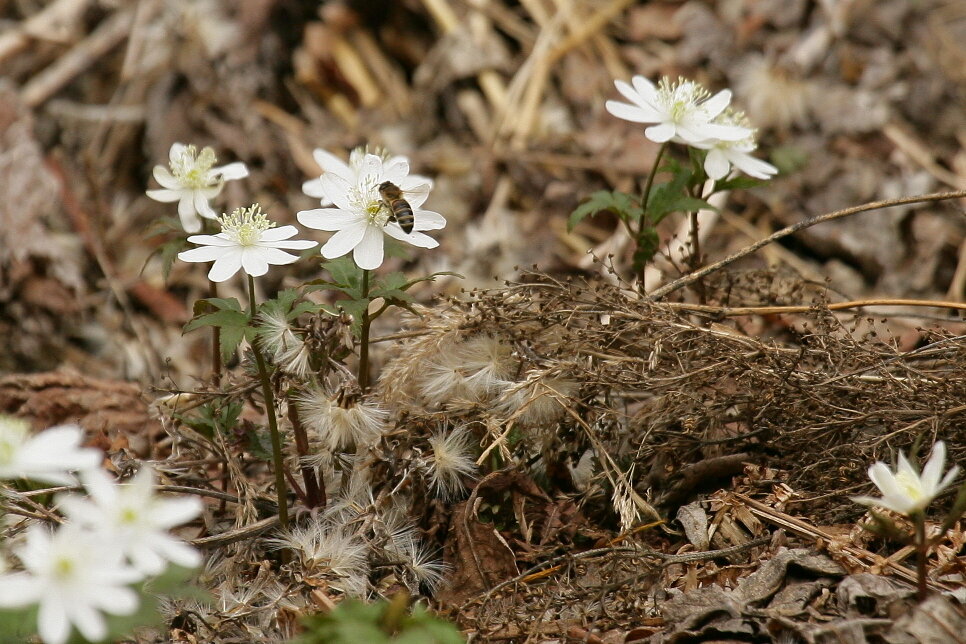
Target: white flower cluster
{"points": [[353, 208], [116, 536], [684, 112]]}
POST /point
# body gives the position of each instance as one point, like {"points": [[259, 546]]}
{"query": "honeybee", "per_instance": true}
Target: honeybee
{"points": [[399, 209]]}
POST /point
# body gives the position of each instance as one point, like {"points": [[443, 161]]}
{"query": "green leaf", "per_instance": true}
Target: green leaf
{"points": [[344, 272], [234, 326], [621, 204], [260, 443], [221, 319], [739, 182], [220, 304], [18, 625], [672, 196], [393, 295], [219, 415], [169, 252], [311, 307], [286, 299]]}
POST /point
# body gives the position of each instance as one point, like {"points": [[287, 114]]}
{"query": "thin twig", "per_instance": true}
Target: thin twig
{"points": [[802, 225]]}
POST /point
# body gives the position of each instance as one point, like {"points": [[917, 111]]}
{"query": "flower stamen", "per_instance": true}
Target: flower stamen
{"points": [[245, 225]]}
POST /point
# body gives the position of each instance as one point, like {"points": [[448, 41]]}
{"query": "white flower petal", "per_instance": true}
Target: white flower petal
{"points": [[428, 220], [100, 487], [171, 512], [88, 621], [313, 188], [884, 479], [368, 253], [716, 164], [212, 240], [415, 238], [329, 219], [19, 589], [336, 190], [753, 167], [225, 266], [630, 113], [202, 207], [933, 469], [645, 89], [236, 170], [188, 214], [204, 254], [950, 475], [660, 133], [52, 622], [344, 241], [717, 103], [332, 164], [281, 232], [165, 179], [176, 151], [395, 169], [164, 195]]}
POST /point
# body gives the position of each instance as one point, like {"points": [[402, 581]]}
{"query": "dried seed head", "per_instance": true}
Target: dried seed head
{"points": [[330, 552], [452, 460], [421, 562], [467, 372], [539, 401], [342, 422]]}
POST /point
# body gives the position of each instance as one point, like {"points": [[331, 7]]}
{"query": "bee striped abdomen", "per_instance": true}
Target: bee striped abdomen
{"points": [[399, 209]]}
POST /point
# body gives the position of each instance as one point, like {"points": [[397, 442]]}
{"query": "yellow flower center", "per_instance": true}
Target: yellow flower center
{"points": [[245, 225], [192, 167], [64, 567], [680, 97], [910, 486]]}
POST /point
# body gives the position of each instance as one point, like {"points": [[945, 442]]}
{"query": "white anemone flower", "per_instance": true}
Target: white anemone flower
{"points": [[724, 154], [905, 491], [74, 575], [48, 456], [247, 241], [349, 172], [683, 111], [192, 181], [135, 518], [360, 219]]}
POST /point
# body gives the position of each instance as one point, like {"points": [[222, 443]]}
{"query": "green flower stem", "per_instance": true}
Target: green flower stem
{"points": [[280, 487], [922, 550], [647, 187], [210, 227], [364, 341]]}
